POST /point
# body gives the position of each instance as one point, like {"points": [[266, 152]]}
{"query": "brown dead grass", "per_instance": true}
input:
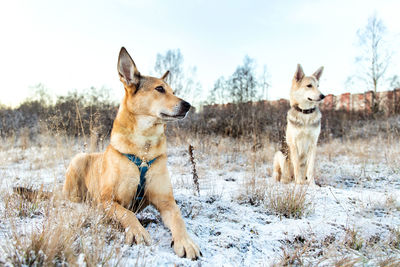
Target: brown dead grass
{"points": [[289, 201], [68, 233], [84, 235]]}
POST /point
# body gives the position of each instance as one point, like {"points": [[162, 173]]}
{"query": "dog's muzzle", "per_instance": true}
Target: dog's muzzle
{"points": [[321, 97], [182, 110]]}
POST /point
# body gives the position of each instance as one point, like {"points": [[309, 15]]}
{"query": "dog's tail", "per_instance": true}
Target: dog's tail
{"points": [[31, 194]]}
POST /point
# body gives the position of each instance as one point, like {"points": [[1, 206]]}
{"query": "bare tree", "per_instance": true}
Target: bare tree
{"points": [[394, 81], [218, 93], [243, 82], [193, 86], [264, 83], [40, 94], [375, 54], [172, 60], [182, 80]]}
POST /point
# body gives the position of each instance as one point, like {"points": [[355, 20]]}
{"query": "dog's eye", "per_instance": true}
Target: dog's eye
{"points": [[309, 86], [160, 89]]}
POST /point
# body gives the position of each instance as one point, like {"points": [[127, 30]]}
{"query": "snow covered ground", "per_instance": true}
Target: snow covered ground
{"points": [[353, 216]]}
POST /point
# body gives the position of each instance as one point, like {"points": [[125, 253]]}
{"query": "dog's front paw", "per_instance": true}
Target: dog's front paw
{"points": [[137, 234], [186, 248]]}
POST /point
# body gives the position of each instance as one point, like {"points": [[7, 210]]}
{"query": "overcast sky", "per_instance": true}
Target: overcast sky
{"points": [[69, 45]]}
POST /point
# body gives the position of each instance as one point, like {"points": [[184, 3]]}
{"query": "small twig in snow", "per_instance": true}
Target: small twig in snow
{"points": [[194, 171]]}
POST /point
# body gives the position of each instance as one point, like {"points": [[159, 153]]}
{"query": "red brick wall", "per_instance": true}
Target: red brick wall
{"points": [[388, 101]]}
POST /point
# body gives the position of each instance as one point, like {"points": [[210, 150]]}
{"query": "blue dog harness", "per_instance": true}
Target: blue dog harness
{"points": [[143, 168]]}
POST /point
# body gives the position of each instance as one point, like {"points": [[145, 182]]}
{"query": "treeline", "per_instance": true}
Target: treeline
{"points": [[257, 121], [91, 114], [76, 114]]}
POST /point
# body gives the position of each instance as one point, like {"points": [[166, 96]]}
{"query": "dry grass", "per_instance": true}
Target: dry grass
{"points": [[285, 201], [346, 261], [254, 192], [353, 239], [343, 249], [67, 234], [394, 238], [289, 201], [85, 236], [380, 148], [294, 256], [388, 261]]}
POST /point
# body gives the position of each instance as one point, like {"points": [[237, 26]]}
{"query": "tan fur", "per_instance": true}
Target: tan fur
{"points": [[296, 160], [111, 179]]}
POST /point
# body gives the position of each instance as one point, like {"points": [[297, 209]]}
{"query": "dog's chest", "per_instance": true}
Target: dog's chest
{"points": [[303, 130], [144, 141]]}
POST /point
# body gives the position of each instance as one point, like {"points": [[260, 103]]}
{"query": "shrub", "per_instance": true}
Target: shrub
{"points": [[289, 201]]}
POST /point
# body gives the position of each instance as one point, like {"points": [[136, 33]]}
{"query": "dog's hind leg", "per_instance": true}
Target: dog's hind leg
{"points": [[74, 186], [134, 231]]}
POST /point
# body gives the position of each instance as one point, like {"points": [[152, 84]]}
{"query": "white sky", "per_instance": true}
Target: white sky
{"points": [[74, 44]]}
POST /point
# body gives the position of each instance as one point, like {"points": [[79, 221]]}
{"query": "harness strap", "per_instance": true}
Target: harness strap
{"points": [[143, 168]]}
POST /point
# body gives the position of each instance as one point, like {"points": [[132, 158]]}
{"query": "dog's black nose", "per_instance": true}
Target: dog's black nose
{"points": [[185, 106], [321, 96]]}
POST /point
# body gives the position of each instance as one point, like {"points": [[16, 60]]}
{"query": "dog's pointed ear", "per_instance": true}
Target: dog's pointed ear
{"points": [[165, 76], [127, 70], [299, 75], [317, 74]]}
